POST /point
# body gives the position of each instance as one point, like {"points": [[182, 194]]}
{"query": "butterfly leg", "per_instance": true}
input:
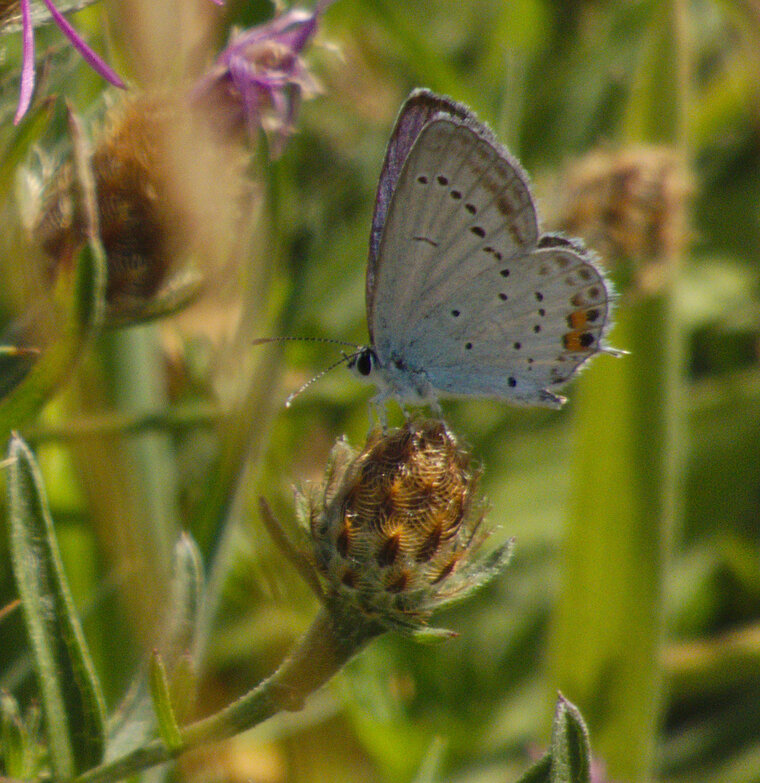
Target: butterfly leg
{"points": [[378, 413]]}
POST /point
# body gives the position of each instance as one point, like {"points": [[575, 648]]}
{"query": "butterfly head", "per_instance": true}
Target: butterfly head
{"points": [[363, 362]]}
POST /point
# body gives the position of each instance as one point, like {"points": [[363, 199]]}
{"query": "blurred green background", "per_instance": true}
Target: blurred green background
{"points": [[635, 587]]}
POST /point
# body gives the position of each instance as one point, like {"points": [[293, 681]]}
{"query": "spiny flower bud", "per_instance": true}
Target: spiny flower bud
{"points": [[131, 208], [629, 205], [159, 187], [394, 526]]}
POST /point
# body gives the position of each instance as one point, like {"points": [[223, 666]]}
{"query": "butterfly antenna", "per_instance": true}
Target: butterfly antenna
{"points": [[264, 340], [342, 360]]}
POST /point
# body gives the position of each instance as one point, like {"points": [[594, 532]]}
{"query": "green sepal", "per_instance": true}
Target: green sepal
{"points": [[471, 577], [11, 737], [20, 748], [70, 692], [181, 290], [187, 588], [540, 772], [427, 635], [570, 749], [162, 703]]}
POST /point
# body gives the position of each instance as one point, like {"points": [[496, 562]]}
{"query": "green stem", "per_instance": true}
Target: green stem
{"points": [[334, 638], [175, 420]]}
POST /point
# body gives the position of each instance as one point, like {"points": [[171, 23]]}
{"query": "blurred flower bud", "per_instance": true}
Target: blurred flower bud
{"points": [[159, 186], [630, 206], [395, 527]]}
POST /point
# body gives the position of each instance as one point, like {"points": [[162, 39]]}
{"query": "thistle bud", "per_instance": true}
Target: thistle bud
{"points": [[630, 206], [394, 526], [159, 190], [130, 202]]}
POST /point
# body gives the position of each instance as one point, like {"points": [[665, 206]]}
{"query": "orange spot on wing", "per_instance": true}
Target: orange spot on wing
{"points": [[572, 342], [578, 319]]}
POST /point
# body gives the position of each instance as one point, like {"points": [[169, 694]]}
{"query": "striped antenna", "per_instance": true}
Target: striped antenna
{"points": [[264, 340], [344, 359]]}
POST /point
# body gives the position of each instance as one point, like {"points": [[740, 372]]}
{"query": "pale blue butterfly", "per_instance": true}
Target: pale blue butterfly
{"points": [[464, 296]]}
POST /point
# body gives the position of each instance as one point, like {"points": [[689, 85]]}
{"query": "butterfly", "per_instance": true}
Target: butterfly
{"points": [[464, 295]]}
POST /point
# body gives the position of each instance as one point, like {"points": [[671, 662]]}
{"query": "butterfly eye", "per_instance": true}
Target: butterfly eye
{"points": [[364, 363]]}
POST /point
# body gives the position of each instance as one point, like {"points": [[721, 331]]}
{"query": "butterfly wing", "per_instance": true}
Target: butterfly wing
{"points": [[465, 291], [418, 109]]}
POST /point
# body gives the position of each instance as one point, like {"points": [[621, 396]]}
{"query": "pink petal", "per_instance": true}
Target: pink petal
{"points": [[92, 59], [27, 64]]}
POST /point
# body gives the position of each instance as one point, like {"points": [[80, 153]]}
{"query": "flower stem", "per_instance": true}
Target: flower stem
{"points": [[334, 638]]}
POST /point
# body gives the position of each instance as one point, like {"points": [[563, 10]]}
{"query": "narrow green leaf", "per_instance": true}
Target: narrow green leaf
{"points": [[182, 687], [430, 770], [570, 750], [28, 133], [186, 596], [653, 109], [183, 621], [79, 304], [608, 624], [162, 705], [540, 772], [133, 721], [70, 692], [15, 363], [11, 737]]}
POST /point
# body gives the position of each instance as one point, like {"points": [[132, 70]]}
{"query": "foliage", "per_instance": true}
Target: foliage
{"points": [[634, 583]]}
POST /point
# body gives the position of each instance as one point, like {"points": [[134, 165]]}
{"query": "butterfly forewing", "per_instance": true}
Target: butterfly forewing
{"points": [[418, 110], [487, 215], [461, 209]]}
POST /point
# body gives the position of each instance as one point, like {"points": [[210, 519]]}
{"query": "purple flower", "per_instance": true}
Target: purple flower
{"points": [[27, 67], [258, 81]]}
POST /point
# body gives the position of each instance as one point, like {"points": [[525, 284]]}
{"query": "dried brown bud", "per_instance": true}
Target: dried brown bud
{"points": [[158, 188], [629, 205], [393, 525]]}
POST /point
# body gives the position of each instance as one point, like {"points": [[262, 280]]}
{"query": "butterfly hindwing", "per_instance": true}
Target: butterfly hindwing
{"points": [[515, 341]]}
